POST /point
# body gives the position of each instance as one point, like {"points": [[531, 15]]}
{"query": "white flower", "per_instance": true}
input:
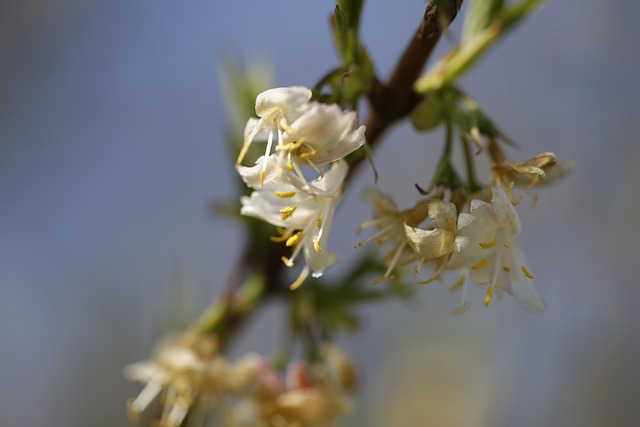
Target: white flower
{"points": [[304, 218], [403, 229], [323, 134], [186, 370], [492, 257], [307, 133]]}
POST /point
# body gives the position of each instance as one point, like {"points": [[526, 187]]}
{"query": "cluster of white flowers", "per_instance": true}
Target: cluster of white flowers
{"points": [[479, 243], [474, 237], [301, 136], [188, 377]]}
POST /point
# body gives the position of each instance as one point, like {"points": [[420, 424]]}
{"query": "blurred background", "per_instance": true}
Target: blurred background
{"points": [[112, 124]]}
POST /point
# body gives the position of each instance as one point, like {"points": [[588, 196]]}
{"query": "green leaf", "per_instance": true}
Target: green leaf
{"points": [[461, 59], [480, 14]]}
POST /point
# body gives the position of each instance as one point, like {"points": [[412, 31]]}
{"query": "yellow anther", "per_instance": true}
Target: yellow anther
{"points": [[308, 154], [487, 298], [262, 173], [294, 239], [488, 245], [284, 235], [319, 222], [289, 167], [526, 272], [517, 201], [506, 269], [287, 212], [507, 245], [287, 261], [316, 244], [484, 261], [285, 194]]}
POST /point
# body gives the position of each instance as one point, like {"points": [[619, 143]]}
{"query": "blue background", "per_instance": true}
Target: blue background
{"points": [[111, 151]]}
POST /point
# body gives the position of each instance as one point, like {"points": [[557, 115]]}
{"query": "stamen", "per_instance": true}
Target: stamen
{"points": [[287, 212], [308, 154], [284, 125], [316, 244], [284, 235], [287, 261], [526, 272], [488, 245], [294, 239], [178, 413], [285, 194], [507, 245], [426, 282], [408, 261], [291, 146], [533, 182], [249, 138], [375, 235], [145, 398], [319, 222], [484, 261], [517, 201], [395, 258], [458, 283], [460, 309], [369, 223], [487, 298], [262, 174], [506, 269], [382, 279], [300, 280], [416, 269]]}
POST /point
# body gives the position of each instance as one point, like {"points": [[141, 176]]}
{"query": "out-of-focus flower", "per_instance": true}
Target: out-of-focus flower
{"points": [[304, 218], [187, 370], [191, 377]]}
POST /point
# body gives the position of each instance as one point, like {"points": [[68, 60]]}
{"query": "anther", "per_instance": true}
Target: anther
{"points": [[287, 212], [484, 261], [294, 239], [488, 245], [526, 272], [487, 298], [285, 194]]}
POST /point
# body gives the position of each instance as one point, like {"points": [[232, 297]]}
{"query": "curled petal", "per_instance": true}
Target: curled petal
{"points": [[430, 244]]}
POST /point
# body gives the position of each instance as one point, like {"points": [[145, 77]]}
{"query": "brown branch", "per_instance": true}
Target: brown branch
{"points": [[396, 99]]}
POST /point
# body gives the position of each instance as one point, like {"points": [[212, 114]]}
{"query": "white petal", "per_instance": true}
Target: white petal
{"points": [[328, 131], [507, 214], [522, 287], [292, 101]]}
